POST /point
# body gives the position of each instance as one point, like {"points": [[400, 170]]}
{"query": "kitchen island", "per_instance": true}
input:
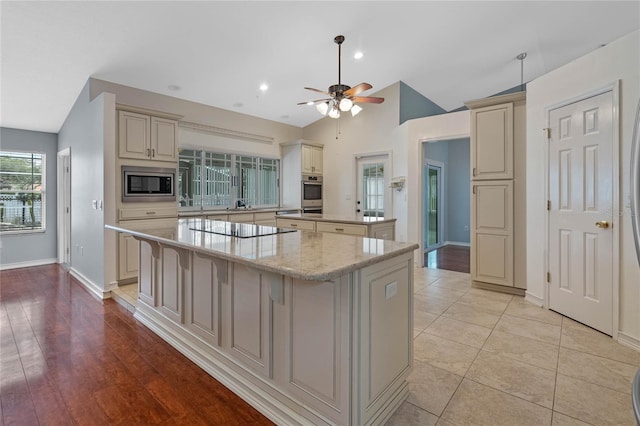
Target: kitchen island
{"points": [[308, 328], [364, 226]]}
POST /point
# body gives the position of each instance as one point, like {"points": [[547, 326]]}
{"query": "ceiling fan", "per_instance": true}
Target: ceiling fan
{"points": [[342, 97]]}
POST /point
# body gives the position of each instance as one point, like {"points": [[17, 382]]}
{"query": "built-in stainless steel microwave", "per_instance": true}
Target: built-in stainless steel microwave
{"points": [[148, 184]]}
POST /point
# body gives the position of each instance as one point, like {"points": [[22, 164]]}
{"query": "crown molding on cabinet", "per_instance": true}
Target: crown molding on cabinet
{"points": [[204, 128], [160, 114], [494, 100]]}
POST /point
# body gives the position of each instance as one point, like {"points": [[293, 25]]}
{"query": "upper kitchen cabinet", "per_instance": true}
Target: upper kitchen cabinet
{"points": [[494, 132], [147, 137], [311, 159]]}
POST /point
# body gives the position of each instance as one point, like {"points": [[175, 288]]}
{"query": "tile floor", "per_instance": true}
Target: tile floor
{"points": [[487, 358]]}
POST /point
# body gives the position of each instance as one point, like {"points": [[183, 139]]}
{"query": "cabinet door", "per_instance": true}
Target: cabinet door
{"points": [[164, 139], [492, 232], [133, 135], [492, 142], [383, 231], [127, 256], [247, 325], [307, 159], [316, 165]]}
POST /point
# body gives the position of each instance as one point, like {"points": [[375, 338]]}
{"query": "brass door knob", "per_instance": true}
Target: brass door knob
{"points": [[602, 224]]}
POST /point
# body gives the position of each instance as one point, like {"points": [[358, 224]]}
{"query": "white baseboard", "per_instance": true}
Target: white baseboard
{"points": [[630, 341], [28, 264], [93, 288], [533, 299]]}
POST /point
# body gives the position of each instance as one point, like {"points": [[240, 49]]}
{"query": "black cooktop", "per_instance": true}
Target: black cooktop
{"points": [[240, 230]]}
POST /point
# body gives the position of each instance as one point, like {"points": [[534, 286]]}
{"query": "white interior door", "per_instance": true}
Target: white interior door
{"points": [[580, 219], [64, 206], [372, 186]]}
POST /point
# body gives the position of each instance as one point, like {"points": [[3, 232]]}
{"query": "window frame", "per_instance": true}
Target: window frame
{"points": [[42, 192], [234, 179]]}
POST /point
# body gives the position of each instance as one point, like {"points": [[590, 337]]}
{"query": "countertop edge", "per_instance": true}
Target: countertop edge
{"points": [[320, 276], [335, 220]]}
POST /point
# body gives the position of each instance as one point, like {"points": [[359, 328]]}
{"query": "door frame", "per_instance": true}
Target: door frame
{"points": [[419, 163], [63, 193], [441, 209], [387, 178], [614, 88]]}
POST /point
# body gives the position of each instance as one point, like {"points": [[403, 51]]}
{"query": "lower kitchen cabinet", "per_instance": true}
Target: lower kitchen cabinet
{"points": [[304, 225], [341, 228], [127, 257]]}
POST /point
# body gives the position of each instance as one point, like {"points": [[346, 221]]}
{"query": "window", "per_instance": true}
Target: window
{"points": [[21, 191], [373, 177], [220, 180]]}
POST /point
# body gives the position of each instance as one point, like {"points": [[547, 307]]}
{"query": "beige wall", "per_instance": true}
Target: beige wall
{"points": [[619, 60], [368, 132], [207, 115]]}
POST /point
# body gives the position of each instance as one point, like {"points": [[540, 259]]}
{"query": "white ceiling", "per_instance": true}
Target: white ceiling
{"points": [[220, 52]]}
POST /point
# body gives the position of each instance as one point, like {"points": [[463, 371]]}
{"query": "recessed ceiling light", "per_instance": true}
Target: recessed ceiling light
{"points": [[173, 87], [358, 55], [264, 87]]}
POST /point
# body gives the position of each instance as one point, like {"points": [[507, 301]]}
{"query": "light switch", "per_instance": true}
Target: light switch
{"points": [[390, 290]]}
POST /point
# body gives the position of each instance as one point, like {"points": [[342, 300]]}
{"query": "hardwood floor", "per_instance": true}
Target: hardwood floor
{"points": [[67, 358], [452, 258]]}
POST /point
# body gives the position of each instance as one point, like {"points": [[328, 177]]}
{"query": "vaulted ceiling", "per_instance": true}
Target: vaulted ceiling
{"points": [[219, 53]]}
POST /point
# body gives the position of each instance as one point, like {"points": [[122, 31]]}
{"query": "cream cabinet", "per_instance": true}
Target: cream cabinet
{"points": [[341, 228], [144, 137], [305, 225], [492, 142], [492, 236], [498, 198], [312, 159], [383, 231], [127, 257]]}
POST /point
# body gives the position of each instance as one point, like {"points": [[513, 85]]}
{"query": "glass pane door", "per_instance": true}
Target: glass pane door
{"points": [[373, 193]]}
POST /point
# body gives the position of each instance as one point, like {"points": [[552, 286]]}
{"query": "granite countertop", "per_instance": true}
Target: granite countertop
{"points": [[354, 220], [199, 213], [304, 255]]}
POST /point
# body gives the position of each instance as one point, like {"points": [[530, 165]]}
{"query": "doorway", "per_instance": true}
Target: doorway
{"points": [[446, 208], [582, 231], [373, 195], [64, 206]]}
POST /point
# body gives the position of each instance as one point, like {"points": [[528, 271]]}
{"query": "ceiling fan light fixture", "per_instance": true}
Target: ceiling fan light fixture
{"points": [[355, 110], [335, 112], [345, 104], [323, 108]]}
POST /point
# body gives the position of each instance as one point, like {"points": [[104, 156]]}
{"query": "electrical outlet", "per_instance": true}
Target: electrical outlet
{"points": [[390, 290], [466, 227]]}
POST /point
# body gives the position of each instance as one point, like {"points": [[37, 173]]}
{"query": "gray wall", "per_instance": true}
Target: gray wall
{"points": [[414, 105], [83, 132], [455, 155], [459, 208], [33, 248]]}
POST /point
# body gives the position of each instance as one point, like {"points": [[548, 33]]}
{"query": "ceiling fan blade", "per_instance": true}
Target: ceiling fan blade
{"points": [[317, 90], [368, 99], [317, 101], [358, 89]]}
